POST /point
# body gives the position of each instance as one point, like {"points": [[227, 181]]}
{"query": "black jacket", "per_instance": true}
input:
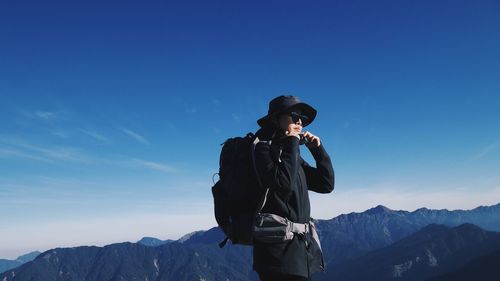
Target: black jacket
{"points": [[289, 178]]}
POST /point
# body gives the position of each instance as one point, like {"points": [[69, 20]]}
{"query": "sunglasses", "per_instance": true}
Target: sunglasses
{"points": [[296, 116]]}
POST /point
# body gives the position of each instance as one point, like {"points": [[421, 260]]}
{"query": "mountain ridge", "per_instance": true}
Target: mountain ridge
{"points": [[351, 235]]}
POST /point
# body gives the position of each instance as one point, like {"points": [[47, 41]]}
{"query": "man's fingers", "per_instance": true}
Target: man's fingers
{"points": [[308, 135], [314, 140]]}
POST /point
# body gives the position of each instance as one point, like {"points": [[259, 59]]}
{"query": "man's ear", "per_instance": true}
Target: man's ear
{"points": [[275, 120]]}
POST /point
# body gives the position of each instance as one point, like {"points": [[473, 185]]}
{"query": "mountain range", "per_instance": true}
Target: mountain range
{"points": [[351, 235], [389, 244]]}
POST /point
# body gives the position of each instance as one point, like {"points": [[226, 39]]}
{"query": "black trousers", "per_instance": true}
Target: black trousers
{"points": [[272, 276]]}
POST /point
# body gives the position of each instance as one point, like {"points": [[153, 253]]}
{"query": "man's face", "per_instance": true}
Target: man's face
{"points": [[291, 122]]}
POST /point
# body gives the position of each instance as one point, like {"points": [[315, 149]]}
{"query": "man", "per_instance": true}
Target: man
{"points": [[288, 177]]}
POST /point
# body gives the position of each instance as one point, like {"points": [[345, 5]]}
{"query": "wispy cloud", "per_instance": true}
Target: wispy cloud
{"points": [[153, 165], [135, 136], [96, 136], [42, 115], [46, 115], [15, 153], [59, 153], [191, 110], [61, 134], [19, 148], [488, 150], [68, 182], [236, 117]]}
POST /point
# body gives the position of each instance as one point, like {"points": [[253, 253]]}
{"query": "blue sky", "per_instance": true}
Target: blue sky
{"points": [[112, 114]]}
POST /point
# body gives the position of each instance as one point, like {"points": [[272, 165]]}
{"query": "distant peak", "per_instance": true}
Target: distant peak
{"points": [[152, 242], [378, 210], [28, 257], [146, 238], [189, 235], [468, 227], [463, 228], [433, 227]]}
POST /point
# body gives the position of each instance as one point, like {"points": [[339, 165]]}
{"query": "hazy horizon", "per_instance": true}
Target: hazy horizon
{"points": [[104, 243]]}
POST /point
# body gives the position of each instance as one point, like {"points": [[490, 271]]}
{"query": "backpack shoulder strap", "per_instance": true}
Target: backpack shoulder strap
{"points": [[264, 197]]}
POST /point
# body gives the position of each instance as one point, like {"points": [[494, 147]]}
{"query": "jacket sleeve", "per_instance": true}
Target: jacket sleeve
{"points": [[278, 172], [322, 178]]}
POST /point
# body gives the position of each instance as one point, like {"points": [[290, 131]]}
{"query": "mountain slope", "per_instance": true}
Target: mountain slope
{"points": [[8, 264], [436, 249], [484, 268]]}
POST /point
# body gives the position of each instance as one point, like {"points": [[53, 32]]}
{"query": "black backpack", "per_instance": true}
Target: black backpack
{"points": [[237, 193]]}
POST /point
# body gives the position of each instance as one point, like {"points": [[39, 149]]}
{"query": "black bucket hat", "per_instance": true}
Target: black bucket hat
{"points": [[285, 104]]}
